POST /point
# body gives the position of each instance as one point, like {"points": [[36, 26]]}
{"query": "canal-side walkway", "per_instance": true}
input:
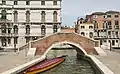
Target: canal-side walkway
{"points": [[112, 61], [11, 59]]}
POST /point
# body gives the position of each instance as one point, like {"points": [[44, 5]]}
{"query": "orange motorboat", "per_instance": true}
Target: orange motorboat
{"points": [[44, 65]]}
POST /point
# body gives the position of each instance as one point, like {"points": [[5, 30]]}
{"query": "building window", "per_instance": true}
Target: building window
{"points": [[104, 16], [113, 42], [109, 32], [105, 41], [109, 25], [42, 2], [82, 27], [9, 31], [27, 2], [54, 16], [55, 28], [15, 40], [3, 12], [54, 2], [27, 39], [109, 22], [95, 25], [108, 16], [15, 16], [90, 34], [43, 30], [9, 40], [3, 28], [27, 29], [104, 25], [95, 16], [82, 33], [116, 16], [43, 16], [116, 33], [15, 29], [3, 41], [116, 22], [4, 2], [27, 16], [116, 41], [15, 3], [90, 27]]}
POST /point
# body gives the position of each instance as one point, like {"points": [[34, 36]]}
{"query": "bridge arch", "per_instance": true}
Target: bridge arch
{"points": [[85, 44], [71, 43]]}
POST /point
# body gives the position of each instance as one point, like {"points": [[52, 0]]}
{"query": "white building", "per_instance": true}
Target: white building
{"points": [[25, 20], [86, 29]]}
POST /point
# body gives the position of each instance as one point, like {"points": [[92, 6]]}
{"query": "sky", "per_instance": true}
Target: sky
{"points": [[71, 9]]}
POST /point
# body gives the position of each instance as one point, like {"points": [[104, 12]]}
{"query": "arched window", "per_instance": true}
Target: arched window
{"points": [[82, 33], [27, 16], [3, 41], [43, 30], [3, 28], [90, 34], [54, 16], [82, 27], [95, 25], [15, 40], [90, 27], [3, 12], [55, 28], [27, 29], [9, 28], [27, 39], [43, 16], [15, 29], [15, 16]]}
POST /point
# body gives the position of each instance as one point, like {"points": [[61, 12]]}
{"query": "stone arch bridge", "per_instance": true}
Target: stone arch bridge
{"points": [[83, 44]]}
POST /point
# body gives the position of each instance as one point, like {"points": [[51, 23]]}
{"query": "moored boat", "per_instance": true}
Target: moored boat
{"points": [[44, 65]]}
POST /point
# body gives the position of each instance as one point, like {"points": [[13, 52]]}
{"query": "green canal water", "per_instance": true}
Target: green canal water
{"points": [[71, 65]]}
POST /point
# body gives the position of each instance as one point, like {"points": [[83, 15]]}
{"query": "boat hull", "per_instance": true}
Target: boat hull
{"points": [[45, 66]]}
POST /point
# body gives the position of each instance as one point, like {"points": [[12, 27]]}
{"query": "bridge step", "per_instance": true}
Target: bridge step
{"points": [[100, 51], [31, 53]]}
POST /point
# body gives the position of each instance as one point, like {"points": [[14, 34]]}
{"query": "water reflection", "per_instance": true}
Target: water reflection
{"points": [[71, 65]]}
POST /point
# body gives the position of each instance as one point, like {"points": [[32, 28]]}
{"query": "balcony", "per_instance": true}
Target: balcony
{"points": [[109, 27], [6, 34]]}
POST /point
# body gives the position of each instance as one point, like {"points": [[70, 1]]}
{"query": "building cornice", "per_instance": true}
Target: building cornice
{"points": [[23, 23], [32, 8], [32, 0]]}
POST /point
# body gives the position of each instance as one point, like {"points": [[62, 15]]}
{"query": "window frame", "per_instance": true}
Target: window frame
{"points": [[109, 16], [116, 16], [3, 2], [54, 2], [82, 27], [90, 27], [27, 29], [27, 2], [113, 42], [43, 30], [42, 2], [15, 2], [55, 28]]}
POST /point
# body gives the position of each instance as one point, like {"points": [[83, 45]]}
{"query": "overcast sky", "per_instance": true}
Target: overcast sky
{"points": [[71, 9]]}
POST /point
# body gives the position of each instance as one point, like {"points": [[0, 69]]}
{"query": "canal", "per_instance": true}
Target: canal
{"points": [[71, 65]]}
